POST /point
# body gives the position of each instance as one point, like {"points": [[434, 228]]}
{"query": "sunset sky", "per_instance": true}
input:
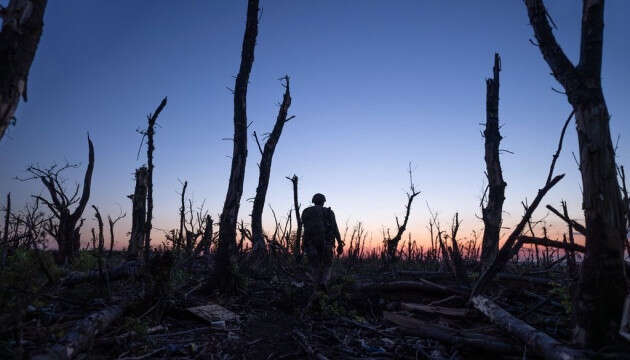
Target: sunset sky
{"points": [[375, 85]]}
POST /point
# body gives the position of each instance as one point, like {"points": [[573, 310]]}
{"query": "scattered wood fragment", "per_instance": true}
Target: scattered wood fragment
{"points": [[446, 335], [126, 270], [213, 312], [81, 335], [439, 310], [541, 343]]}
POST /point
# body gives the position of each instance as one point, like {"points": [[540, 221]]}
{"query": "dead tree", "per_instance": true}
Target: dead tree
{"points": [[493, 209], [626, 201], [66, 229], [182, 218], [602, 285], [5, 233], [264, 167], [111, 231], [149, 133], [514, 241], [458, 264], [392, 243], [206, 238], [229, 215], [22, 24], [139, 213], [297, 245]]}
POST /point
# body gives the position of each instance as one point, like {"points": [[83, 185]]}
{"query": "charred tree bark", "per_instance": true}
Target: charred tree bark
{"points": [[492, 212], [229, 215], [139, 213], [150, 148], [602, 284], [22, 24], [264, 167], [297, 249]]}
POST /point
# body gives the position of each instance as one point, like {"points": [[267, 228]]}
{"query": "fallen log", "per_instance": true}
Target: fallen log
{"points": [[126, 270], [81, 335], [433, 275], [523, 278], [414, 327], [552, 243], [539, 342], [439, 310], [407, 286]]}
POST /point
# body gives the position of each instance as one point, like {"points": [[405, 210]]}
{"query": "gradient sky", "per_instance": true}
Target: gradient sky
{"points": [[375, 85]]}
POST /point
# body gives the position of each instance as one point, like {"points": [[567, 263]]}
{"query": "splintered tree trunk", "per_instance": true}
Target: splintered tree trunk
{"points": [[5, 233], [22, 24], [150, 148], [182, 218], [297, 250], [229, 215], [492, 212], [258, 240], [139, 216], [602, 286]]}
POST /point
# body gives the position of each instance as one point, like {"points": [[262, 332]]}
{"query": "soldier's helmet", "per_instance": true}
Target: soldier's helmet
{"points": [[318, 199]]}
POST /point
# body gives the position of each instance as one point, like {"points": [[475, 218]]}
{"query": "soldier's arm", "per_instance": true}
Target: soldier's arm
{"points": [[336, 229]]}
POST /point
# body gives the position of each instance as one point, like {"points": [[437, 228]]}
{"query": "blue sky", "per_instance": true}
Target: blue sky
{"points": [[375, 85]]}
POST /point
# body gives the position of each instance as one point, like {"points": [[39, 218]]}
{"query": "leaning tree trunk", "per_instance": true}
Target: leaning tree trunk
{"points": [[492, 212], [258, 240], [22, 24], [229, 215], [602, 285], [139, 216]]}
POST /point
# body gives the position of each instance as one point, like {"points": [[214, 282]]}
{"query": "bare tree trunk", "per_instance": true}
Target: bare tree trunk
{"points": [[150, 148], [22, 24], [5, 233], [182, 218], [492, 212], [229, 215], [392, 243], [139, 213], [206, 238], [297, 249], [66, 232], [602, 284], [458, 264], [264, 167], [111, 232]]}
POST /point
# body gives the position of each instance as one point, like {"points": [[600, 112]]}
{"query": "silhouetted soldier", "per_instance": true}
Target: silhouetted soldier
{"points": [[320, 232]]}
